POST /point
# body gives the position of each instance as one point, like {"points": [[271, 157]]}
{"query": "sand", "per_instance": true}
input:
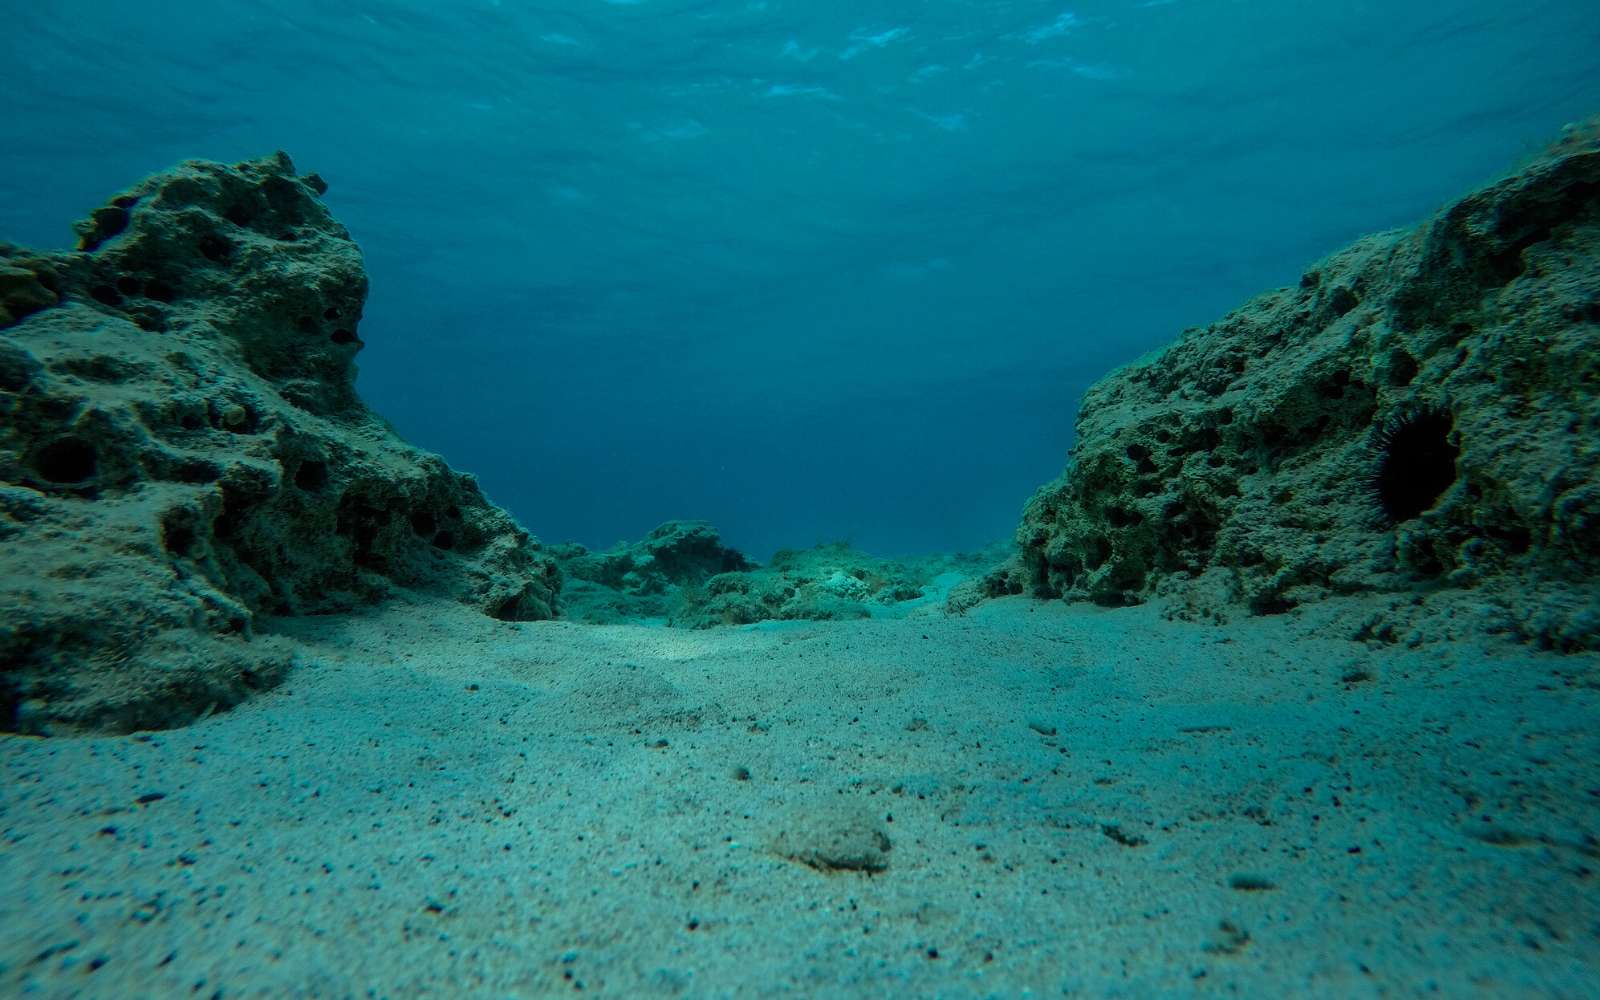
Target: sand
{"points": [[1031, 800]]}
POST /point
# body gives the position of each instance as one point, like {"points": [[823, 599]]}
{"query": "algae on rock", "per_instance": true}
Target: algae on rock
{"points": [[1236, 467], [182, 450]]}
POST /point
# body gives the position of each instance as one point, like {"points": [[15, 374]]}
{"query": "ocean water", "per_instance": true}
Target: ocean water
{"points": [[1298, 694], [812, 271]]}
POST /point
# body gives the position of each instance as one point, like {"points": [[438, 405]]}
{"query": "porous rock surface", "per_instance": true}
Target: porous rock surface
{"points": [[182, 450], [1236, 468]]}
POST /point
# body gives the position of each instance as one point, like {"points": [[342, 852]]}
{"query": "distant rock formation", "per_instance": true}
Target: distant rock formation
{"points": [[182, 449], [683, 575], [1420, 415], [822, 583], [676, 553]]}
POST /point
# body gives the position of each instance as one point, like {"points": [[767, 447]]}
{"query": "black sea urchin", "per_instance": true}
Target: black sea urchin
{"points": [[1416, 461]]}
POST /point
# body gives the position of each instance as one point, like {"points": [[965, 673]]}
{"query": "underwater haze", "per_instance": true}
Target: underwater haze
{"points": [[808, 270], [1286, 686]]}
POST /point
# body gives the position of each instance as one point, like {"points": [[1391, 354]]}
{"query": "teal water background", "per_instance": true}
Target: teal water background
{"points": [[810, 270]]}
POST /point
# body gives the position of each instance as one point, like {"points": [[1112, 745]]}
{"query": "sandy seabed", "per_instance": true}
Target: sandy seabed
{"points": [[1032, 800]]}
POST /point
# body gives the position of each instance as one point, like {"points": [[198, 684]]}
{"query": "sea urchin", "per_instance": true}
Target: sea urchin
{"points": [[1416, 461]]}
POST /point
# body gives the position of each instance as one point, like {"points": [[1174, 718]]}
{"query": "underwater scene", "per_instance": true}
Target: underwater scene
{"points": [[746, 498]]}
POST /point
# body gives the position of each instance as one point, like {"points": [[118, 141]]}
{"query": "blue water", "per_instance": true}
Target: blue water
{"points": [[810, 270]]}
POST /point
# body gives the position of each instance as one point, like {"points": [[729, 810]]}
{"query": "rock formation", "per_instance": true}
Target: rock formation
{"points": [[1419, 416], [639, 580], [683, 575], [182, 449], [823, 583]]}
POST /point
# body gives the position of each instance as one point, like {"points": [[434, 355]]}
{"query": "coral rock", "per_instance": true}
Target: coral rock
{"points": [[182, 450], [1247, 461], [684, 575]]}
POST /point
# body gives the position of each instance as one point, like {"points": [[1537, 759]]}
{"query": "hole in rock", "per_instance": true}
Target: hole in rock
{"points": [[1402, 368], [508, 610], [215, 249], [239, 501], [160, 291], [1205, 439], [1117, 517], [14, 373], [199, 471], [177, 534], [1416, 462], [67, 460], [311, 476], [363, 524], [1334, 386], [107, 222]]}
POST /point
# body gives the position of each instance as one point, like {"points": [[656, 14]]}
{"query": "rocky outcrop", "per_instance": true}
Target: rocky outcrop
{"points": [[641, 580], [684, 576], [182, 450], [1419, 415], [673, 554], [823, 583]]}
